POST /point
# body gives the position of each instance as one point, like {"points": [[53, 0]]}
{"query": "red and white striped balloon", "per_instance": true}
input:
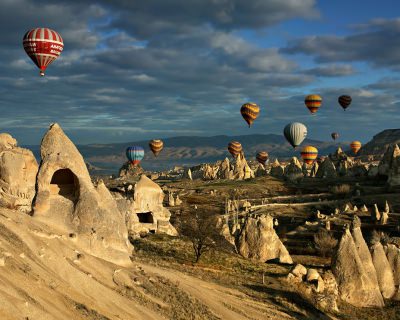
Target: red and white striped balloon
{"points": [[43, 46]]}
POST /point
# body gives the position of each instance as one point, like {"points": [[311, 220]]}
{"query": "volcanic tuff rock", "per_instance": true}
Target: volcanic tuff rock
{"points": [[67, 200], [277, 170], [354, 282], [18, 169], [381, 141], [294, 170], [259, 241], [326, 169], [129, 171]]}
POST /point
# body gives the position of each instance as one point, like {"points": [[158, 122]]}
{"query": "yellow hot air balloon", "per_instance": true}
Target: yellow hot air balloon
{"points": [[309, 154], [313, 102], [355, 146], [235, 148], [250, 112], [156, 146]]}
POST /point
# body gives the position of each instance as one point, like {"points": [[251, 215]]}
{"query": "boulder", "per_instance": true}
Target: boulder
{"points": [[299, 270], [383, 270], [354, 284], [312, 275], [18, 170], [259, 241], [67, 200]]}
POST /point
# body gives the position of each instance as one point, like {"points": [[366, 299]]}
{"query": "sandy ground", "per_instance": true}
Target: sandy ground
{"points": [[44, 276]]}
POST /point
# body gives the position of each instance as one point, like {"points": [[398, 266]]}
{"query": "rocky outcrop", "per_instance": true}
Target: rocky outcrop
{"points": [[294, 170], [277, 170], [393, 256], [326, 169], [130, 171], [354, 283], [145, 212], [259, 241], [67, 200], [18, 170], [383, 270]]}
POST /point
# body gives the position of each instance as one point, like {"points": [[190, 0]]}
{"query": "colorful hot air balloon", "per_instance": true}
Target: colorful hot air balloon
{"points": [[135, 154], [262, 157], [250, 112], [334, 135], [156, 146], [355, 146], [295, 133], [234, 148], [313, 102], [309, 154], [43, 46], [344, 101]]}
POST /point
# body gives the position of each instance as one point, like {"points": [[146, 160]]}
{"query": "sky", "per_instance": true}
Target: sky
{"points": [[134, 70]]}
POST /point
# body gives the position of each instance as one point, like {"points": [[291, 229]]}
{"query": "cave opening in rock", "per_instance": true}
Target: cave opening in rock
{"points": [[65, 183], [145, 217]]}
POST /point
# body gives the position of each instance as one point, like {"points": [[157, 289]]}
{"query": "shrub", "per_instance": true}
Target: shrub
{"points": [[341, 189], [324, 242]]}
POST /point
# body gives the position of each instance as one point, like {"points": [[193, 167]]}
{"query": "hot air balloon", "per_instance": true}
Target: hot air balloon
{"points": [[313, 102], [262, 157], [43, 46], [344, 101], [295, 133], [309, 154], [355, 146], [156, 146], [250, 112], [334, 135], [135, 154], [234, 148]]}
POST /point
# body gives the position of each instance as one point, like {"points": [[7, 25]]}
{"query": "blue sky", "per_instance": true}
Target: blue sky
{"points": [[134, 70]]}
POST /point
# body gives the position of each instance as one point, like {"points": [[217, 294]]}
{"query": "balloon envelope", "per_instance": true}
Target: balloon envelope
{"points": [[156, 146], [250, 112], [344, 101], [309, 154], [43, 46], [234, 148], [355, 146], [313, 102], [135, 154], [262, 157], [295, 133], [334, 135]]}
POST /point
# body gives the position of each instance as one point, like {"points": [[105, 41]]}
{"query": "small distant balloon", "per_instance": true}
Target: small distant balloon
{"points": [[43, 46], [313, 102], [334, 135], [250, 112], [309, 154], [355, 146], [262, 157], [135, 154], [156, 146], [344, 101], [295, 133], [234, 148]]}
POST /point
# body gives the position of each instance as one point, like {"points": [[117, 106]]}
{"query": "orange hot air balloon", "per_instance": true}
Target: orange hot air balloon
{"points": [[313, 102], [250, 112], [355, 146], [309, 154], [234, 148], [156, 146], [43, 46], [262, 157]]}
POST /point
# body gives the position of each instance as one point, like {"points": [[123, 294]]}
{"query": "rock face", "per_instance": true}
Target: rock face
{"points": [[259, 241], [66, 199], [383, 270], [355, 284], [393, 256], [18, 169], [146, 212], [277, 170], [389, 166], [326, 169]]}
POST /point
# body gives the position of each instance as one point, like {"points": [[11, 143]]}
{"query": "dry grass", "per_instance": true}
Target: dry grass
{"points": [[341, 189], [324, 242]]}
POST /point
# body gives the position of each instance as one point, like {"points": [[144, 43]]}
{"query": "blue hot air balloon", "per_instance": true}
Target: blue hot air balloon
{"points": [[135, 154]]}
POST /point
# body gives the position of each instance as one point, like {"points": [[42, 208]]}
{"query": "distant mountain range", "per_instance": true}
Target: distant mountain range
{"points": [[194, 150]]}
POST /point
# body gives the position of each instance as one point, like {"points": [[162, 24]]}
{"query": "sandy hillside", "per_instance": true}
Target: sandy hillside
{"points": [[43, 276]]}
